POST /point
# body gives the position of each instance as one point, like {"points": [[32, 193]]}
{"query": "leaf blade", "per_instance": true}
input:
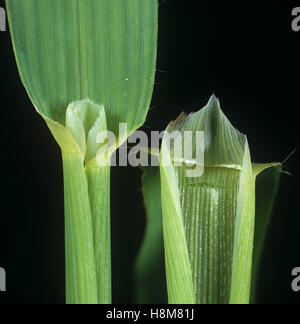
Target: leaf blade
{"points": [[98, 49]]}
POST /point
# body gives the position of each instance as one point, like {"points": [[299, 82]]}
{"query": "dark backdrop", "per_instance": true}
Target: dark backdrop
{"points": [[244, 52]]}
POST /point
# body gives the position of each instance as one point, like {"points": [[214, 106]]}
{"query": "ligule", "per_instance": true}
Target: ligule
{"points": [[209, 220]]}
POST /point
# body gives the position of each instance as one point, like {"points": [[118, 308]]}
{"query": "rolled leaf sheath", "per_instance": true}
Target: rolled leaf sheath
{"points": [[81, 282]]}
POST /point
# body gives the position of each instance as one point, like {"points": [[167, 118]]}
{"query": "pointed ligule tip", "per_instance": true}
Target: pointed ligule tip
{"points": [[214, 109], [225, 145], [214, 103], [216, 115]]}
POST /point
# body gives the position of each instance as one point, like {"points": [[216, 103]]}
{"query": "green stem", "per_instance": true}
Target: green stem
{"points": [[81, 282], [99, 191]]}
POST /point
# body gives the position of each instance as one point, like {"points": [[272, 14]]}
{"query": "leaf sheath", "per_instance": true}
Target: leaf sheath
{"points": [[99, 194], [81, 282]]}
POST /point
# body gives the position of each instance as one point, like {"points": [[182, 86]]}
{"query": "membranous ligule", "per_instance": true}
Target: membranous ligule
{"points": [[210, 205]]}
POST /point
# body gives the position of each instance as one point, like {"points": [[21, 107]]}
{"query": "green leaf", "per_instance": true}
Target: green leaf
{"points": [[209, 219], [98, 49], [87, 66], [150, 270]]}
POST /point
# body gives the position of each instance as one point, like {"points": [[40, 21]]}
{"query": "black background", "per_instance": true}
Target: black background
{"points": [[244, 52]]}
